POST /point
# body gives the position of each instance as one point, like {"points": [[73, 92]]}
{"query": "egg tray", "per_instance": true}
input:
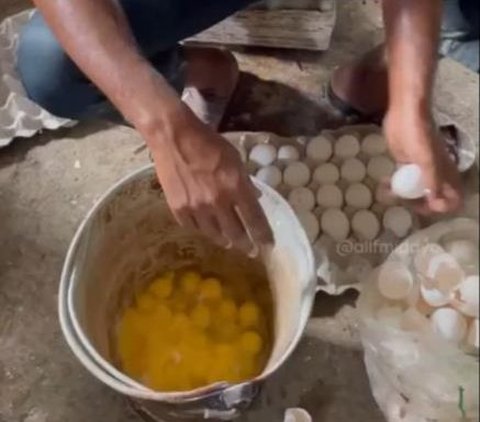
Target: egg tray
{"points": [[19, 117], [344, 265]]}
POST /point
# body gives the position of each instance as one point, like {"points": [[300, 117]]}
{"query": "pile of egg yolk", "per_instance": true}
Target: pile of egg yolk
{"points": [[186, 331]]}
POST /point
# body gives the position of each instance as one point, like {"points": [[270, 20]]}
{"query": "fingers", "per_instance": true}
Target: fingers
{"points": [[233, 228]]}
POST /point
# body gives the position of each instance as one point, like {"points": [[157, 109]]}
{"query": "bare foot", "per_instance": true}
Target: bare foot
{"points": [[211, 78]]}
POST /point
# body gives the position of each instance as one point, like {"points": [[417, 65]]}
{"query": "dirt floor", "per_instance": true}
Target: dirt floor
{"points": [[49, 182]]}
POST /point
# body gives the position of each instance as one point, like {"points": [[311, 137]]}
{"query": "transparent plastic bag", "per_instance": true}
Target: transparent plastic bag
{"points": [[418, 377]]}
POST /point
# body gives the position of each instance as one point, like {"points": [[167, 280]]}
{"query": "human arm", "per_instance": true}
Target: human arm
{"points": [[412, 32], [201, 174]]}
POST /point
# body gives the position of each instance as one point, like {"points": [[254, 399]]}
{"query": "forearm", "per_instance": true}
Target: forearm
{"points": [[412, 32], [96, 35]]}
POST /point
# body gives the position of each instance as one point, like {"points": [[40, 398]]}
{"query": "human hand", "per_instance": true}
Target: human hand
{"points": [[206, 185], [413, 139]]}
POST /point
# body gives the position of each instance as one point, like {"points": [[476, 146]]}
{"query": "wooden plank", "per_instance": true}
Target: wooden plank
{"points": [[297, 29]]}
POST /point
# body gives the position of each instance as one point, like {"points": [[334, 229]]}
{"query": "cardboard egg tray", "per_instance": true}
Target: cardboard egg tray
{"points": [[19, 117], [344, 265]]}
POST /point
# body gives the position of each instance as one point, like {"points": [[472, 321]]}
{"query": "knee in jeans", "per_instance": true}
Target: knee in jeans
{"points": [[44, 68]]}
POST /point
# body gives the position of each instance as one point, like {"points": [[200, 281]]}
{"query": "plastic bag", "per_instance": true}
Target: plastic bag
{"points": [[418, 377]]}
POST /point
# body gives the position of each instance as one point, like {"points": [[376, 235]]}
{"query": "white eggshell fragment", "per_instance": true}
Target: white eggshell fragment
{"points": [[444, 272], [398, 220], [319, 149], [434, 297], [326, 174], [358, 196], [271, 175], [263, 154], [474, 334], [296, 174], [464, 251], [374, 144], [424, 255], [407, 182], [353, 170], [310, 224], [335, 223], [395, 281], [297, 415], [380, 168], [469, 294], [302, 199], [330, 196], [288, 154], [347, 146], [449, 324], [365, 225]]}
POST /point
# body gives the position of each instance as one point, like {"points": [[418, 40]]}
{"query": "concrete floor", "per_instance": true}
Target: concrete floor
{"points": [[49, 182]]}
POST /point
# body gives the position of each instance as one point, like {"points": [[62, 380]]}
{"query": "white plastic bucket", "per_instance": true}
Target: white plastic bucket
{"points": [[128, 236]]}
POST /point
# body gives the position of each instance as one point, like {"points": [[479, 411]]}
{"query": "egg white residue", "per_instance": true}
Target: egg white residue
{"points": [[326, 174], [310, 224], [374, 144], [380, 168], [330, 196], [302, 199], [449, 324], [395, 281], [365, 225], [358, 195], [271, 175], [263, 155], [353, 170], [288, 154], [335, 223], [398, 220], [407, 182], [347, 146], [319, 149], [296, 174]]}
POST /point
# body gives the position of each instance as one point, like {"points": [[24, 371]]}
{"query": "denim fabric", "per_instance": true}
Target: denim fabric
{"points": [[52, 80]]}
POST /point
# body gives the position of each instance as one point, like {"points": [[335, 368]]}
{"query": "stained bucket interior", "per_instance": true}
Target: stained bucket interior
{"points": [[130, 237]]}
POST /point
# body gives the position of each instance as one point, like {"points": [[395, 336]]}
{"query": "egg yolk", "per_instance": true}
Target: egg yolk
{"points": [[186, 331]]}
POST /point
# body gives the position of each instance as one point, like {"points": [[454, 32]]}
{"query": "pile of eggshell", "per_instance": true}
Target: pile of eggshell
{"points": [[335, 186], [438, 293]]}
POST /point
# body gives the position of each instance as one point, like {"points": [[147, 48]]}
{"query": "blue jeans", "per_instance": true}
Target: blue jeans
{"points": [[53, 81]]}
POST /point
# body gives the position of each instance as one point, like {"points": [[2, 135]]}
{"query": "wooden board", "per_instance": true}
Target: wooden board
{"points": [[295, 29]]}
